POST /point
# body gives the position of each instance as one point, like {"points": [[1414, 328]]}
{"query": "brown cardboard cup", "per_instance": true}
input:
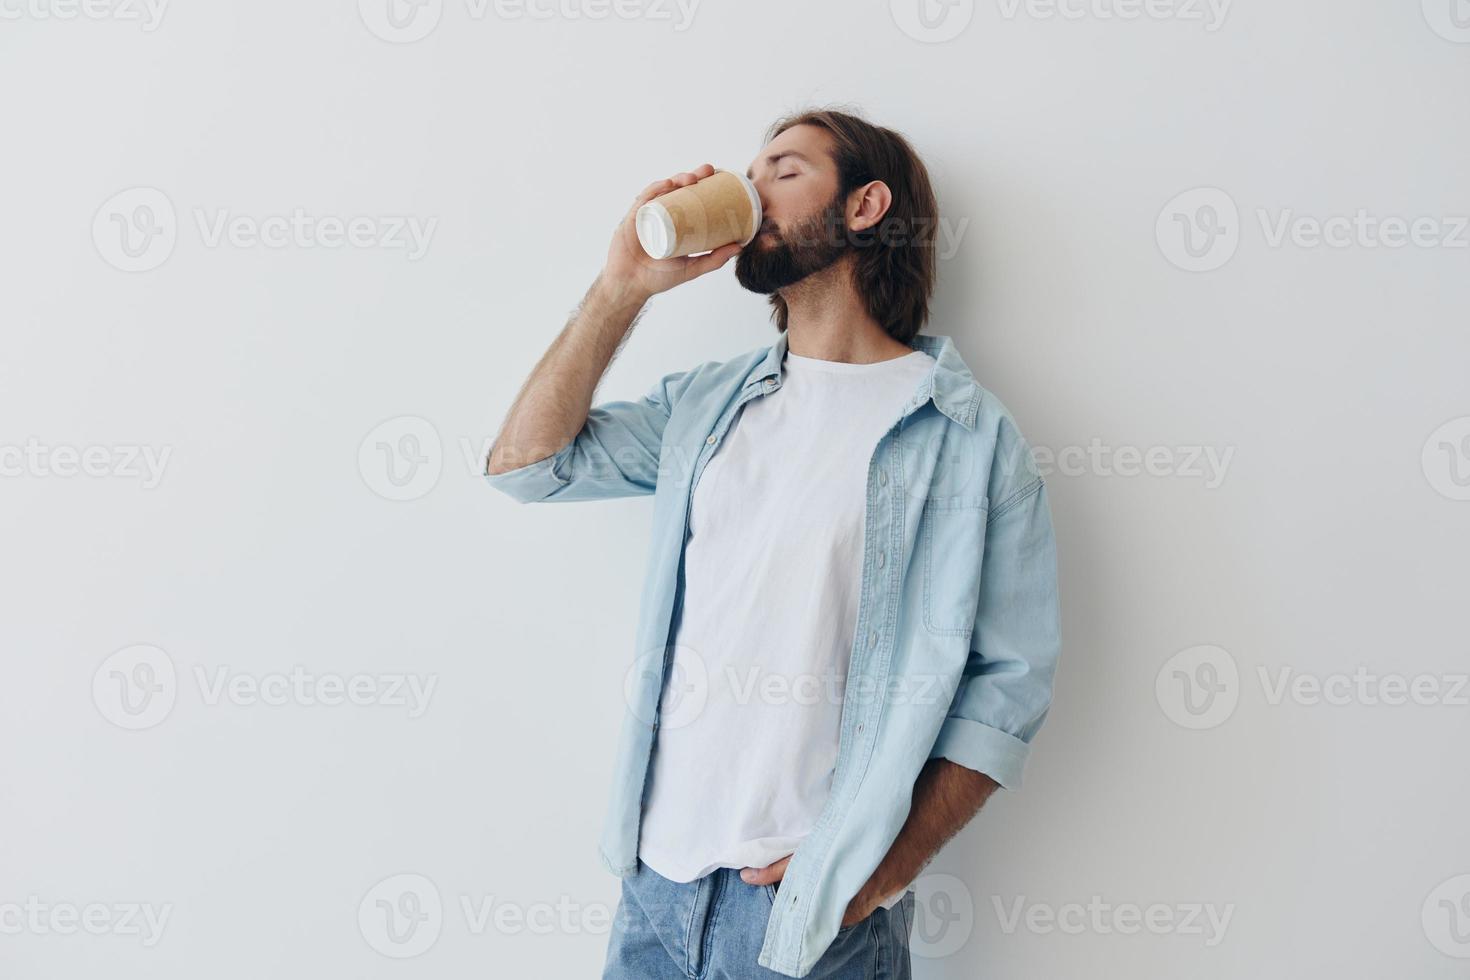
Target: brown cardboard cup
{"points": [[717, 210]]}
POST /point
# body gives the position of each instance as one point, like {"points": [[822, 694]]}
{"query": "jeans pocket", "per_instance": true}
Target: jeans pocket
{"points": [[860, 923]]}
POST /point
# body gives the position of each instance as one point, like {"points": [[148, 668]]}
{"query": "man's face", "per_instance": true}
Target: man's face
{"points": [[804, 226]]}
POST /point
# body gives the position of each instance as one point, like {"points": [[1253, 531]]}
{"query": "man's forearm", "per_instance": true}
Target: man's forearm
{"points": [[946, 796], [553, 403]]}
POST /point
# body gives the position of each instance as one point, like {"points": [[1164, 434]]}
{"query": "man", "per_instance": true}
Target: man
{"points": [[850, 624]]}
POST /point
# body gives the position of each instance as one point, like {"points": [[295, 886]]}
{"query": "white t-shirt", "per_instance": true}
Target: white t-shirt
{"points": [[751, 714]]}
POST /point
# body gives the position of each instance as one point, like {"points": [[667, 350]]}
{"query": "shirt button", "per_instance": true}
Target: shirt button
{"points": [[882, 558], [883, 478], [711, 440], [872, 638]]}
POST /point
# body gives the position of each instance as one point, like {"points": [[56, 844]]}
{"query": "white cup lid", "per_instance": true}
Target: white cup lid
{"points": [[655, 230]]}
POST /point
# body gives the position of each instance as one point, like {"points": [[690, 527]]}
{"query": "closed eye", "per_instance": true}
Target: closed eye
{"points": [[786, 176]]}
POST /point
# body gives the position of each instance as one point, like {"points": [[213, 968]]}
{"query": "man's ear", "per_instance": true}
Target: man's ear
{"points": [[873, 200]]}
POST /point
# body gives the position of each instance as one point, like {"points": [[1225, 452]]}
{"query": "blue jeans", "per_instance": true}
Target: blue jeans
{"points": [[713, 928]]}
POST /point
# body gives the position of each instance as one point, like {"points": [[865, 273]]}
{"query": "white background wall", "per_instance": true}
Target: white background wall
{"points": [[1331, 537]]}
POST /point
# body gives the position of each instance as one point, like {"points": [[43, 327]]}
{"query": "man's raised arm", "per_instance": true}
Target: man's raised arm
{"points": [[535, 455]]}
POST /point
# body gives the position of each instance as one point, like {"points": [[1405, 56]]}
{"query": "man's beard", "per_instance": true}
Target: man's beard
{"points": [[811, 246]]}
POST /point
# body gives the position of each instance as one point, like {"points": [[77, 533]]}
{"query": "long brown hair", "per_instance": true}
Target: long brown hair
{"points": [[894, 260]]}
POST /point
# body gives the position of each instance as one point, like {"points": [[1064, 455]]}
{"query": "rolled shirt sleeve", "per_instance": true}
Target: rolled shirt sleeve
{"points": [[616, 453], [1005, 690]]}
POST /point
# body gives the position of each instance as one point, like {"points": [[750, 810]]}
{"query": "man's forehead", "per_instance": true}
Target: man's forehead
{"points": [[806, 143]]}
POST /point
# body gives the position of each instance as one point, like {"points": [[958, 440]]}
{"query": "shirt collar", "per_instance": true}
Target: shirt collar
{"points": [[949, 383]]}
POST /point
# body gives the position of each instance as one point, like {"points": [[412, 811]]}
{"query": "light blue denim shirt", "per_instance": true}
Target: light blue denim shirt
{"points": [[957, 634]]}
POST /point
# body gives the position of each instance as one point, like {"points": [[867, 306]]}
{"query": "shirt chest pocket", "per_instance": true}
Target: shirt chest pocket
{"points": [[951, 545]]}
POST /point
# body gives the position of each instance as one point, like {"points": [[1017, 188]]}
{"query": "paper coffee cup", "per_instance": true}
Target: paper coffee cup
{"points": [[717, 210]]}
